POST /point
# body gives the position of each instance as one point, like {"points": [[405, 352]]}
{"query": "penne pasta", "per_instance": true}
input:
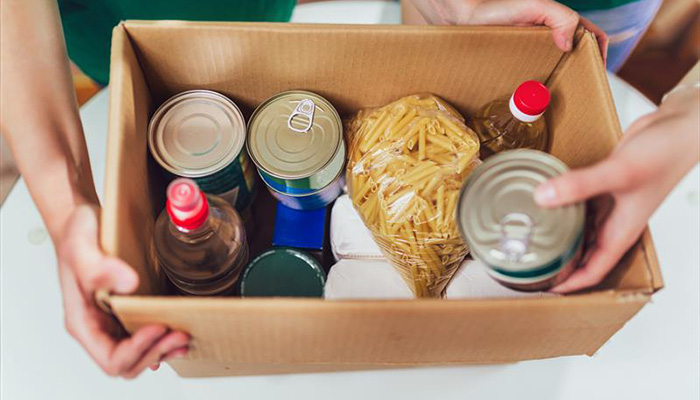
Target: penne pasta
{"points": [[408, 161], [450, 208], [421, 145], [374, 132], [442, 142], [403, 123], [440, 205], [449, 124]]}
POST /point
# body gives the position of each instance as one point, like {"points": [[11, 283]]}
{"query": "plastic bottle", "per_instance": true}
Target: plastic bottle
{"points": [[515, 122], [199, 241]]}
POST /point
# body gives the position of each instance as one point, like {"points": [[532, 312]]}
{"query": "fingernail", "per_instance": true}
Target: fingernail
{"points": [[545, 194], [569, 44]]}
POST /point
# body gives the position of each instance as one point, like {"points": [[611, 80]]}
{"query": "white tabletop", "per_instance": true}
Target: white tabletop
{"points": [[656, 355]]}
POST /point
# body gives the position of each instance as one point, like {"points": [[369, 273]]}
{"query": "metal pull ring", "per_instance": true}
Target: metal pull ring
{"points": [[306, 108], [516, 233]]}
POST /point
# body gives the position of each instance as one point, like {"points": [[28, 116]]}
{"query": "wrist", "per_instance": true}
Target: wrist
{"points": [[58, 218]]}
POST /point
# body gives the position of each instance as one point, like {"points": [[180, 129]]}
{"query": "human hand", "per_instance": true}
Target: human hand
{"points": [[83, 269], [560, 18], [655, 153]]}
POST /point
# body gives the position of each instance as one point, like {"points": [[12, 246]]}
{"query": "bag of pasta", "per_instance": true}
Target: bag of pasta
{"points": [[407, 163]]}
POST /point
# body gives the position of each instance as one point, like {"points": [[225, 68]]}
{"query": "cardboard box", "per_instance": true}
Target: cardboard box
{"points": [[355, 67]]}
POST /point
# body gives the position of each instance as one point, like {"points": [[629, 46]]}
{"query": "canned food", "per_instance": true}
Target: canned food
{"points": [[524, 246], [296, 141], [283, 272], [200, 134]]}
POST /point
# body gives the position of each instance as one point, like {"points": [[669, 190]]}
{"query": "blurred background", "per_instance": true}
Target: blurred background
{"points": [[670, 47]]}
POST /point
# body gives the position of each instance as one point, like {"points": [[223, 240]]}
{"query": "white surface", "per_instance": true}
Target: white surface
{"points": [[655, 356]]}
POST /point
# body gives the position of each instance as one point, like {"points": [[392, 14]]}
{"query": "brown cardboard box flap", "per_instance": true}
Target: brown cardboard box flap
{"points": [[297, 331], [355, 67]]}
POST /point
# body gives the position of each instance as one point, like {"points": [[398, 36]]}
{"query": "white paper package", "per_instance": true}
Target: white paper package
{"points": [[365, 280], [350, 239]]}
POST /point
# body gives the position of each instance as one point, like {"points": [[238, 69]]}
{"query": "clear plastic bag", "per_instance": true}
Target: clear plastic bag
{"points": [[407, 163]]}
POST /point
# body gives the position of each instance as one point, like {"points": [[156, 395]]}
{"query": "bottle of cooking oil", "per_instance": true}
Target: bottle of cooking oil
{"points": [[199, 241], [515, 122]]}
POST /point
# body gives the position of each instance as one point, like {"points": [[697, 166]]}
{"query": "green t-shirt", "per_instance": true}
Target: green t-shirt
{"points": [[87, 24], [587, 5]]}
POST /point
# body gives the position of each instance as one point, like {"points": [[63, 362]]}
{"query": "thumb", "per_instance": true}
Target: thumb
{"points": [[578, 185], [117, 276], [81, 252]]}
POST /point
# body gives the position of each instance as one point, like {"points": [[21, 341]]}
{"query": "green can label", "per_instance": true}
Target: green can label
{"points": [[235, 183]]}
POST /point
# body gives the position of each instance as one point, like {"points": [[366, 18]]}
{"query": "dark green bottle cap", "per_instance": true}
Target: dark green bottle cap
{"points": [[283, 272]]}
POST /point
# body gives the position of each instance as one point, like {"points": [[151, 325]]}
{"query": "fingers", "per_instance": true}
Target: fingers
{"points": [[83, 269], [129, 357], [179, 352], [579, 185], [130, 351], [601, 262], [167, 344], [600, 35], [617, 235]]}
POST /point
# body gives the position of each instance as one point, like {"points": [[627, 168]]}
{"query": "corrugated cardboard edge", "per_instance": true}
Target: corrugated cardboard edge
{"points": [[657, 282], [107, 237], [126, 305], [119, 104], [587, 42]]}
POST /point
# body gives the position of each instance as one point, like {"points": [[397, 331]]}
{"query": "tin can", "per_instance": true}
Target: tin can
{"points": [[296, 141], [524, 247], [200, 134], [283, 272]]}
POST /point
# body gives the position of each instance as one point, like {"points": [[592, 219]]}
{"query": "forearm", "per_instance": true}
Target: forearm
{"points": [[682, 104], [39, 116]]}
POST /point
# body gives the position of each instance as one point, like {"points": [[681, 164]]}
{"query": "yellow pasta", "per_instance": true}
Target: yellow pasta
{"points": [[420, 172], [402, 123], [440, 205], [442, 142], [406, 165], [441, 158], [421, 145], [450, 209], [375, 131]]}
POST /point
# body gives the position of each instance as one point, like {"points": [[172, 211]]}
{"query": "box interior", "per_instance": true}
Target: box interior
{"points": [[355, 67]]}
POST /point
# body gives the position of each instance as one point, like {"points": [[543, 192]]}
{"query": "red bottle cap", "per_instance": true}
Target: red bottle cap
{"points": [[186, 205], [531, 98]]}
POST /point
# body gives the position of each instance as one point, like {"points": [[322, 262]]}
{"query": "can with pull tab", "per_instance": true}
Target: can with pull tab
{"points": [[296, 141], [524, 246]]}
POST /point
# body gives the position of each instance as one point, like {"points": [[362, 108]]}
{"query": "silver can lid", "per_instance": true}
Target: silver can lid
{"points": [[501, 223], [196, 133], [294, 134]]}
